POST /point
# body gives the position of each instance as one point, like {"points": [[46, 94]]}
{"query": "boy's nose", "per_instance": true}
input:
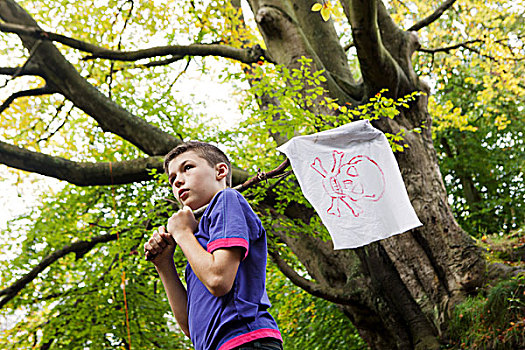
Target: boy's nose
{"points": [[178, 181]]}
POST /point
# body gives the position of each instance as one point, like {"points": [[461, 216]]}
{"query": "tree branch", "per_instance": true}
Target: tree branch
{"points": [[278, 26], [21, 71], [433, 16], [50, 134], [27, 66], [62, 75], [88, 174], [379, 68], [249, 55], [163, 62], [46, 90], [323, 43], [80, 247], [263, 176], [79, 173], [336, 295], [447, 49], [466, 45]]}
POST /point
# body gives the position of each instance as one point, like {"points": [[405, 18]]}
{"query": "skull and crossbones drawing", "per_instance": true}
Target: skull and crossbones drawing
{"points": [[357, 180]]}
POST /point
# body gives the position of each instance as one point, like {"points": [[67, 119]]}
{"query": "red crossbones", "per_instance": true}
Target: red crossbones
{"points": [[346, 183]]}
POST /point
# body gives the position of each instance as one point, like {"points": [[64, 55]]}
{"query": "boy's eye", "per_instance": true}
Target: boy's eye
{"points": [[188, 167]]}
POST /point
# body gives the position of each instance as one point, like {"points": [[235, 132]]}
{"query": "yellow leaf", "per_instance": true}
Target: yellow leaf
{"points": [[317, 7], [325, 13]]}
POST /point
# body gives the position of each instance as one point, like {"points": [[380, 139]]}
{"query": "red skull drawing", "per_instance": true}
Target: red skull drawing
{"points": [[359, 179]]}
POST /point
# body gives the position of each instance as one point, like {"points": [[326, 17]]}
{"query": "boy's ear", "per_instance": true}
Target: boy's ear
{"points": [[222, 170]]}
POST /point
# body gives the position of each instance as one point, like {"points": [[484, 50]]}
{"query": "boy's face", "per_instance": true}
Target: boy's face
{"points": [[193, 181]]}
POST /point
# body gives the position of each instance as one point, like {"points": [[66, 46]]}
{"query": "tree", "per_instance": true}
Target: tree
{"points": [[398, 292], [488, 190]]}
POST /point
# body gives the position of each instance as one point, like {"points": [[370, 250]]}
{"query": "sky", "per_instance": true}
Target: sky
{"points": [[11, 201]]}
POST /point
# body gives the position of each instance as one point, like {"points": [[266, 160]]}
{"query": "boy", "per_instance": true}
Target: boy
{"points": [[225, 305]]}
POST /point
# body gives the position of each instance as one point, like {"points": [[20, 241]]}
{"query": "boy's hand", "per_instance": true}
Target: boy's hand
{"points": [[182, 222], [160, 247]]}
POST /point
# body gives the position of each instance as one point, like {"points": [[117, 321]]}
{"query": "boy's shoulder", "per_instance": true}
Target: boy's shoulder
{"points": [[230, 216], [230, 199], [227, 195]]}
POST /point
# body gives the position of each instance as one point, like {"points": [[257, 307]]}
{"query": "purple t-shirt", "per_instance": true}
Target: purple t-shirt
{"points": [[242, 314]]}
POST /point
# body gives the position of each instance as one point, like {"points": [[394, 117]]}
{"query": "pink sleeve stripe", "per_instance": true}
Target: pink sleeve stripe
{"points": [[227, 243], [251, 336]]}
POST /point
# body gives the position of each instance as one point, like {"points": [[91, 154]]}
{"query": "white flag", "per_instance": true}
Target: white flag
{"points": [[351, 178]]}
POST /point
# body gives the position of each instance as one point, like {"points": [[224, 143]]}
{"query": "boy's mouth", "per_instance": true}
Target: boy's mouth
{"points": [[183, 193]]}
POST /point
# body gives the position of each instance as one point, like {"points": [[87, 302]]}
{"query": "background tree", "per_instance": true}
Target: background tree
{"points": [[96, 105], [487, 190]]}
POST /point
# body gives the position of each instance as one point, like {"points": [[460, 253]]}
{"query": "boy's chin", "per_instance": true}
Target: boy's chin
{"points": [[193, 206], [186, 203]]}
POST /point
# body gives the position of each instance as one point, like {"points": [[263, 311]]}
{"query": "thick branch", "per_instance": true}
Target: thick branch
{"points": [[80, 247], [20, 71], [78, 173], [379, 68], [250, 55], [336, 295], [25, 93], [322, 40], [163, 62], [88, 174], [41, 34], [432, 17], [286, 42]]}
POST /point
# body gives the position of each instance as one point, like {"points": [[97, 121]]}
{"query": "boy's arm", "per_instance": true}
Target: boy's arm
{"points": [[215, 270], [162, 246], [177, 296]]}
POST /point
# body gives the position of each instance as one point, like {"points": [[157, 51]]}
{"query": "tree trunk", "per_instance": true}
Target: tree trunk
{"points": [[398, 292]]}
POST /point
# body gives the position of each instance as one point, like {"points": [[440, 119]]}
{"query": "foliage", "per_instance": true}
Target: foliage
{"points": [[494, 318], [79, 301], [508, 249], [492, 321], [62, 129], [325, 9], [475, 61], [300, 107], [486, 192], [307, 322]]}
